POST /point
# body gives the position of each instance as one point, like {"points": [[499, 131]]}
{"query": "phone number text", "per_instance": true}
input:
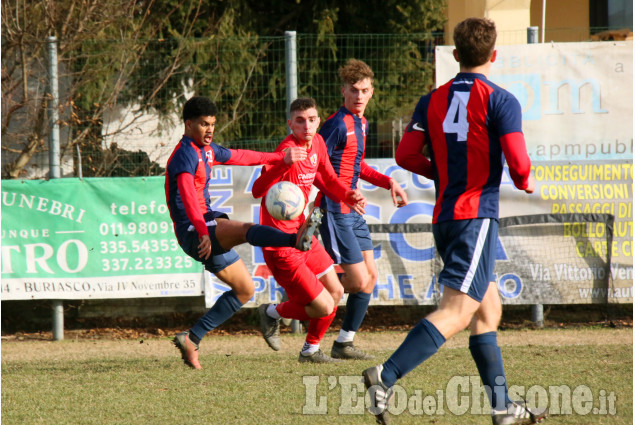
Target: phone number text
{"points": [[152, 245], [147, 263]]}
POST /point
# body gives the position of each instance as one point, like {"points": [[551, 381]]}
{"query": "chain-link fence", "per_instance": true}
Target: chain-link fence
{"points": [[120, 100], [247, 80]]}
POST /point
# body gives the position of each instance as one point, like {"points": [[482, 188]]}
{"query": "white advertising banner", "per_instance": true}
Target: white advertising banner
{"points": [[112, 238], [576, 98]]}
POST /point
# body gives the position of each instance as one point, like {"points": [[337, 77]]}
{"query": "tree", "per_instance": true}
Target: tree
{"points": [[101, 46], [152, 54]]}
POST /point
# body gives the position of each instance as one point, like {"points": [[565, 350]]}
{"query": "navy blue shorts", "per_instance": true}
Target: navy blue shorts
{"points": [[345, 236], [220, 258], [468, 251]]}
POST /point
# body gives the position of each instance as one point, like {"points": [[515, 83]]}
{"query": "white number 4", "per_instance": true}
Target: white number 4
{"points": [[455, 121]]}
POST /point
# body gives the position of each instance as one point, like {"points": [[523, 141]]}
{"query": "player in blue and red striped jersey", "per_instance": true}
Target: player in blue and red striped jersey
{"points": [[344, 231], [208, 236], [468, 124], [307, 277]]}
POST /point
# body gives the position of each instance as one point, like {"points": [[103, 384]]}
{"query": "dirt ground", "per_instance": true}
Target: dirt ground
{"points": [[28, 349], [383, 327], [245, 322]]}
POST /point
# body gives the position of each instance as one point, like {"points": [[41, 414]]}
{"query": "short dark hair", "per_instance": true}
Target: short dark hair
{"points": [[474, 39], [302, 104], [354, 71], [199, 106]]}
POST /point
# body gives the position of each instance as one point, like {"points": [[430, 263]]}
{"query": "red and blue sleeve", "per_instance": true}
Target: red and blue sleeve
{"points": [[374, 177], [270, 174], [185, 183], [515, 151], [508, 115], [247, 157]]}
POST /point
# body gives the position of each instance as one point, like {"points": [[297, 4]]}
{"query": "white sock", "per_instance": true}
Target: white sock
{"points": [[308, 349], [345, 336], [272, 312]]}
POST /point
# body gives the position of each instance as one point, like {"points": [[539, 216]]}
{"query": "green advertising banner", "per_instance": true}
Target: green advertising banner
{"points": [[92, 238]]}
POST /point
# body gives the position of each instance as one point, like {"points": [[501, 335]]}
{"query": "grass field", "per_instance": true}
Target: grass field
{"points": [[243, 382]]}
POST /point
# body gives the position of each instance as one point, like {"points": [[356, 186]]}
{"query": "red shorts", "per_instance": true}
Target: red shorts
{"points": [[298, 272]]}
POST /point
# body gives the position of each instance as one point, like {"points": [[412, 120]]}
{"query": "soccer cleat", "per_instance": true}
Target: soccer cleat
{"points": [[517, 413], [379, 393], [346, 350], [318, 357], [269, 327], [308, 228], [189, 350]]}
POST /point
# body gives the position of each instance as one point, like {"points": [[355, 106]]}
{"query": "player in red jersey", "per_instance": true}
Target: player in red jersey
{"points": [[208, 236], [344, 232], [307, 277], [471, 126]]}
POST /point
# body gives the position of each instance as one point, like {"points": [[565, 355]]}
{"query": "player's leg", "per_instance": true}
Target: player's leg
{"points": [[359, 296], [452, 316], [489, 362], [347, 240], [318, 326], [465, 276], [313, 293], [230, 233], [485, 350], [289, 268], [239, 280], [230, 269], [300, 274], [465, 247], [422, 342]]}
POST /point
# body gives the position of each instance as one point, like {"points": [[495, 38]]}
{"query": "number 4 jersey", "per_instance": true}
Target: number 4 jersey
{"points": [[469, 122]]}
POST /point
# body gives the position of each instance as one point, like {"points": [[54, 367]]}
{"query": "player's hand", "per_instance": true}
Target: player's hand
{"points": [[356, 201], [531, 184], [354, 196], [397, 192], [358, 207], [293, 155], [204, 247]]}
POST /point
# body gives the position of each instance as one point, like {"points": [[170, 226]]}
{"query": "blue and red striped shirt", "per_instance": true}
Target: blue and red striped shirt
{"points": [[345, 138], [464, 121], [188, 175]]}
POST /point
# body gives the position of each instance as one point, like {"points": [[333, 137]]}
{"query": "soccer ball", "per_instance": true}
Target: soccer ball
{"points": [[285, 201]]}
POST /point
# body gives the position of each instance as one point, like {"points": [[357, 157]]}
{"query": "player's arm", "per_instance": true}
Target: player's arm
{"points": [[515, 151], [409, 155], [381, 180], [372, 176], [247, 157], [185, 184], [270, 175], [358, 207]]}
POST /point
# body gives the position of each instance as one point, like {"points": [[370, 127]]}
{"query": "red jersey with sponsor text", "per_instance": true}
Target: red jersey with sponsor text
{"points": [[302, 174]]}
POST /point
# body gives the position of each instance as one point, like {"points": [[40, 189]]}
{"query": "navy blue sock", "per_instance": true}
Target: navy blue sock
{"points": [[489, 362], [422, 342], [224, 308], [259, 235], [356, 307]]}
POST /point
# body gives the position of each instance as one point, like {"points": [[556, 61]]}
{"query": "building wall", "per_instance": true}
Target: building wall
{"points": [[565, 20]]}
